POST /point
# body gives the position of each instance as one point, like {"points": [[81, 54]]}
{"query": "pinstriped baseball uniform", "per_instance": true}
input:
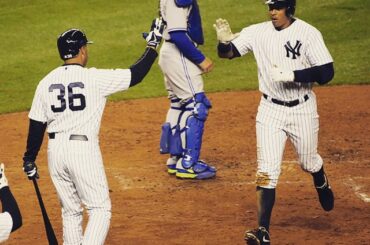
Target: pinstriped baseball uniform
{"points": [[296, 47], [71, 100], [6, 224]]}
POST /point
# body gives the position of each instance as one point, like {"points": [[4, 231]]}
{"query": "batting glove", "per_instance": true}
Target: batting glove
{"points": [[281, 75], [30, 169], [154, 37], [223, 31]]}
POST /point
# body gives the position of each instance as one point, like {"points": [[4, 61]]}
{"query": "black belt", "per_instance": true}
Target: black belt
{"points": [[287, 103], [71, 137]]}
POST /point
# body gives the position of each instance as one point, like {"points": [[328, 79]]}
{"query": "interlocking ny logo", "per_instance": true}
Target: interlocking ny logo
{"points": [[294, 51]]}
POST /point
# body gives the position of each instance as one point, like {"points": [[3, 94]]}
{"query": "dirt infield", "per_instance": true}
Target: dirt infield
{"points": [[151, 207]]}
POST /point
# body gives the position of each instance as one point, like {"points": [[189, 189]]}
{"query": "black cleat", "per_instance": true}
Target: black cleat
{"points": [[326, 195], [259, 236]]}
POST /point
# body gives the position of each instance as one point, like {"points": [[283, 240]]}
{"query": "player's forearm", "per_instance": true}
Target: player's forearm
{"points": [[142, 66], [227, 50], [186, 47], [34, 141], [10, 205], [320, 74]]}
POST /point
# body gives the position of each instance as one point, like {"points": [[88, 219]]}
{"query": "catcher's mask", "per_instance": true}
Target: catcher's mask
{"points": [[288, 4], [70, 42]]}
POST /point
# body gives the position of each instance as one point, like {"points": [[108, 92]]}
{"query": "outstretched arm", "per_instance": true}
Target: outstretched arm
{"points": [[227, 50], [225, 47], [142, 66]]}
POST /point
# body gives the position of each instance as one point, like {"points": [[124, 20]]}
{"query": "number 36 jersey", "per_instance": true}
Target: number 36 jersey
{"points": [[71, 98]]}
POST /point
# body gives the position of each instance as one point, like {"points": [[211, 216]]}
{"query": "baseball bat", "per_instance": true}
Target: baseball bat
{"points": [[48, 227]]}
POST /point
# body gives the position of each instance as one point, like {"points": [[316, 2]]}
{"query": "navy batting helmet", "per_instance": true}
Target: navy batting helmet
{"points": [[70, 42], [289, 4]]}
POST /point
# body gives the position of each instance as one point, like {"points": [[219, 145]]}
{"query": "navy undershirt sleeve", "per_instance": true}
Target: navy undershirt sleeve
{"points": [[142, 66], [10, 205], [227, 47], [320, 74], [186, 46], [34, 141]]}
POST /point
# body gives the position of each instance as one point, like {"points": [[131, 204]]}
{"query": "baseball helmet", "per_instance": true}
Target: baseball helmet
{"points": [[70, 42], [289, 4]]}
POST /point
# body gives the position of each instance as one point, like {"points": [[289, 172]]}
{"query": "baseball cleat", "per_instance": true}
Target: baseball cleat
{"points": [[326, 196], [3, 179], [171, 164], [258, 236], [171, 169], [200, 170]]}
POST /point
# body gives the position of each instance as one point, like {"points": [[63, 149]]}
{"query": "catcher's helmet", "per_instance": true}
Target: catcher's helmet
{"points": [[70, 42], [289, 4]]}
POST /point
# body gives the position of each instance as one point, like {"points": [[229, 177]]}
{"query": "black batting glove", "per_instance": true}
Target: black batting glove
{"points": [[154, 37], [30, 169]]}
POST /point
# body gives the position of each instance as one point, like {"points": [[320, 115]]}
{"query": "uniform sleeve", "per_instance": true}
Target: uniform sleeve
{"points": [[176, 17], [39, 108], [6, 224], [317, 53], [244, 42], [110, 81]]}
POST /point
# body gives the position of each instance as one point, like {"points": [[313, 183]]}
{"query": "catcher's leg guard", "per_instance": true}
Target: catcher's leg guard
{"points": [[194, 130], [164, 144], [170, 143]]}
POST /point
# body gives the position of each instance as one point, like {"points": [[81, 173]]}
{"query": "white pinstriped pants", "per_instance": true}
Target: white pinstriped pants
{"points": [[274, 125], [77, 171]]}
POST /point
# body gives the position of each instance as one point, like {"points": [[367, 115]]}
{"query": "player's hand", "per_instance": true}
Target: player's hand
{"points": [[223, 31], [30, 169], [154, 37], [281, 75], [206, 65]]}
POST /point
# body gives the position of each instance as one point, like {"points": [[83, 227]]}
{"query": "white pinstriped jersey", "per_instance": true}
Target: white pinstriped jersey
{"points": [[71, 98], [6, 224], [296, 47], [175, 17]]}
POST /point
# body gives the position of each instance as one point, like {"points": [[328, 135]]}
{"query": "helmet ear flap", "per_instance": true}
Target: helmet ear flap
{"points": [[291, 8]]}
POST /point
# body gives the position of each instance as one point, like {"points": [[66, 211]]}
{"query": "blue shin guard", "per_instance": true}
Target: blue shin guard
{"points": [[170, 143], [194, 130], [164, 143]]}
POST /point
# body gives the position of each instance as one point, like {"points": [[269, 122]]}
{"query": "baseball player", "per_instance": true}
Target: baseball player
{"points": [[10, 218], [291, 56], [183, 64], [69, 102]]}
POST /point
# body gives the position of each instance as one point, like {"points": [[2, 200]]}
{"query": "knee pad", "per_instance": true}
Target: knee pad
{"points": [[194, 130]]}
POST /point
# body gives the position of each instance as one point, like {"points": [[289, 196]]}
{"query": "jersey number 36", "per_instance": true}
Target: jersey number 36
{"points": [[72, 98]]}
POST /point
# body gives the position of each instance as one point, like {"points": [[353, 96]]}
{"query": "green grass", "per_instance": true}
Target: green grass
{"points": [[30, 28]]}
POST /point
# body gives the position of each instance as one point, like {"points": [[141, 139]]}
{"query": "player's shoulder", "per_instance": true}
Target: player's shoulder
{"points": [[50, 76], [303, 25]]}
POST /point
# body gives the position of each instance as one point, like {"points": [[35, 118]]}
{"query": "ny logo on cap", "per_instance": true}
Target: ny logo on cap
{"points": [[294, 51]]}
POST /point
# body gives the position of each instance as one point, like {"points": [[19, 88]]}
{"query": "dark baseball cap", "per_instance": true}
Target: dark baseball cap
{"points": [[70, 42]]}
